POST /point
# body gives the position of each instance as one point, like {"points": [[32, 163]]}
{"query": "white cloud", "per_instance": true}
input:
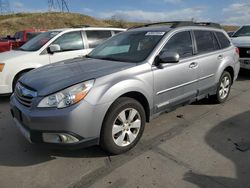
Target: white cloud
{"points": [[151, 16], [237, 13], [20, 7]]}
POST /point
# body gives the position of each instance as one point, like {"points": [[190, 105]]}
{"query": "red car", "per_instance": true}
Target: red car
{"points": [[8, 43]]}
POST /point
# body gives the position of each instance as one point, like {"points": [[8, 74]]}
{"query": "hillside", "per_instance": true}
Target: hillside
{"points": [[9, 24]]}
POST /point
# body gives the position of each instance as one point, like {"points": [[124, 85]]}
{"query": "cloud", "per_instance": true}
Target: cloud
{"points": [[237, 13], [173, 1], [151, 16], [88, 10], [20, 7]]}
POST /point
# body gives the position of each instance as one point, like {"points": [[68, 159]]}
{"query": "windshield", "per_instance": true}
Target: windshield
{"points": [[243, 32], [128, 46], [39, 41]]}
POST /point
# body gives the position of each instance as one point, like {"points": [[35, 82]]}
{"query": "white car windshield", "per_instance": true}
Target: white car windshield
{"points": [[39, 41], [242, 32]]}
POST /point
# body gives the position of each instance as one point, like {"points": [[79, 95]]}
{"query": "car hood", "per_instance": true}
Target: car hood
{"points": [[6, 57], [55, 77], [241, 41]]}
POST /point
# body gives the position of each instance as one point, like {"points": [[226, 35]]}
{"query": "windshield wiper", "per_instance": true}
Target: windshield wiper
{"points": [[108, 58]]}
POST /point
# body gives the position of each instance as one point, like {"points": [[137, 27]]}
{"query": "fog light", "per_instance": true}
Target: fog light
{"points": [[59, 138]]}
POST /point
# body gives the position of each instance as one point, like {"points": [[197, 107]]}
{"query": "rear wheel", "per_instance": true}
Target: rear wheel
{"points": [[224, 87], [123, 126]]}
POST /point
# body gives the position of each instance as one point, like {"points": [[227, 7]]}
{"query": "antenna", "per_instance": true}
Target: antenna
{"points": [[58, 5], [4, 7]]}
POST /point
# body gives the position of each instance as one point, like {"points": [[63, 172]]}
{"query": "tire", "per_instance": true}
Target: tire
{"points": [[120, 131], [18, 76], [223, 88]]}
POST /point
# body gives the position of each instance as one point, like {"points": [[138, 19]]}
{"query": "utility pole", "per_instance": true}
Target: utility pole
{"points": [[58, 5], [4, 7]]}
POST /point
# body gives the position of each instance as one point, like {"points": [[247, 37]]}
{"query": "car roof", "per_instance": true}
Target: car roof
{"points": [[167, 26], [89, 28]]}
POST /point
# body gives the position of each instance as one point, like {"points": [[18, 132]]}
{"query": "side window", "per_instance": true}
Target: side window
{"points": [[224, 42], [180, 43], [96, 37], [206, 41], [70, 41]]}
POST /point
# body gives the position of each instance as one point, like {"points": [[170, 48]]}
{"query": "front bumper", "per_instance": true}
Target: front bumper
{"points": [[245, 63], [5, 90], [82, 120]]}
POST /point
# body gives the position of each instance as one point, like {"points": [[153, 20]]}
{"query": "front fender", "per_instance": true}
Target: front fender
{"points": [[111, 92], [12, 71]]}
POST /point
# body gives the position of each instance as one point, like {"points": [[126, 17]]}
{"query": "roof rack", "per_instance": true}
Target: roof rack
{"points": [[175, 24]]}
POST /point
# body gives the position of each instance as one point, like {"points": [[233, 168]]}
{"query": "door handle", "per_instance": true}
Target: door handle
{"points": [[193, 65]]}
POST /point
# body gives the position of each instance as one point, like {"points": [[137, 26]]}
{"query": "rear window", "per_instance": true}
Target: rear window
{"points": [[206, 41], [224, 41], [96, 37]]}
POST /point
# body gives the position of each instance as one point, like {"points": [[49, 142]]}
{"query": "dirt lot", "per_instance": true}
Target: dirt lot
{"points": [[194, 146]]}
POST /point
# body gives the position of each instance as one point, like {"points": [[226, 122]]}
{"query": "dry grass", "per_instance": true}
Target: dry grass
{"points": [[9, 24]]}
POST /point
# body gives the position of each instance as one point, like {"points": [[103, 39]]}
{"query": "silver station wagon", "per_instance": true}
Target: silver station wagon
{"points": [[107, 97]]}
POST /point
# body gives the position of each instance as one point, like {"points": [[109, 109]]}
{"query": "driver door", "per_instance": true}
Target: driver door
{"points": [[175, 83], [72, 46]]}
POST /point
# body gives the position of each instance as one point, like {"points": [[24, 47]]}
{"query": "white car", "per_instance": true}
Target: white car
{"points": [[241, 39], [49, 47]]}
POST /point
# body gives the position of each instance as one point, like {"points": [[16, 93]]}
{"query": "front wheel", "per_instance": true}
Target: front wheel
{"points": [[123, 126], [224, 88]]}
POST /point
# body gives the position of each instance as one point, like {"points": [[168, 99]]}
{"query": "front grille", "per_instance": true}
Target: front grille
{"points": [[24, 95], [244, 52]]}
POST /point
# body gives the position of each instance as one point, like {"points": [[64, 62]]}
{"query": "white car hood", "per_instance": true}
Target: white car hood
{"points": [[6, 57], [241, 41]]}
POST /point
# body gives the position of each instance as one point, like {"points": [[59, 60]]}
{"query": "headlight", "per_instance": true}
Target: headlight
{"points": [[67, 97], [1, 67]]}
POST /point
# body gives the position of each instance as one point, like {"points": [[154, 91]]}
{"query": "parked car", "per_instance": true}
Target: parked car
{"points": [[230, 33], [241, 39], [21, 37], [49, 47], [107, 97]]}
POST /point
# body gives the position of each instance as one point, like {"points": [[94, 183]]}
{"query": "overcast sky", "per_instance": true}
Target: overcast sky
{"points": [[222, 11]]}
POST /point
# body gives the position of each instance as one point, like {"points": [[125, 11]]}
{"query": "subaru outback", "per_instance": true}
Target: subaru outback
{"points": [[107, 97]]}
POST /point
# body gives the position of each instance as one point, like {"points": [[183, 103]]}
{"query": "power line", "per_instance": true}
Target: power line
{"points": [[58, 5], [5, 7]]}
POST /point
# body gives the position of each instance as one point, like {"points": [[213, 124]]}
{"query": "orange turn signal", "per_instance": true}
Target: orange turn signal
{"points": [[1, 67]]}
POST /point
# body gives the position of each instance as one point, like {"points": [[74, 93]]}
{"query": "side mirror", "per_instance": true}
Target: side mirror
{"points": [[168, 57], [54, 48]]}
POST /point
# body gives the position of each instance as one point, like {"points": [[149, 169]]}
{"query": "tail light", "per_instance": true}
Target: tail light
{"points": [[237, 50]]}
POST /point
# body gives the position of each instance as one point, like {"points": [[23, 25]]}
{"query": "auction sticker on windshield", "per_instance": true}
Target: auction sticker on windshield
{"points": [[155, 33]]}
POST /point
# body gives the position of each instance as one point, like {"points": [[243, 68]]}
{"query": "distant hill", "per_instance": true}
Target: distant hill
{"points": [[9, 24]]}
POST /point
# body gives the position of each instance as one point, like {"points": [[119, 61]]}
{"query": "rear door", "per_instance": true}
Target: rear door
{"points": [[175, 83], [72, 46], [208, 57]]}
